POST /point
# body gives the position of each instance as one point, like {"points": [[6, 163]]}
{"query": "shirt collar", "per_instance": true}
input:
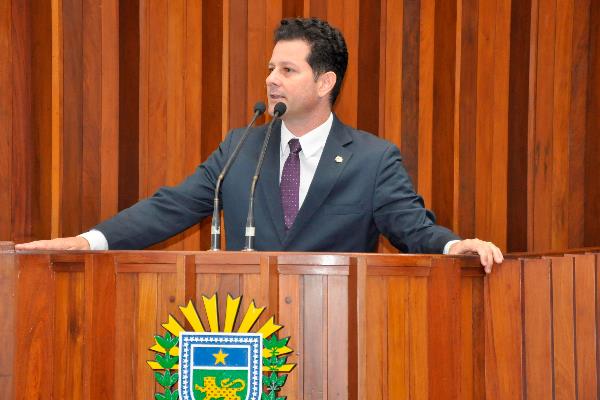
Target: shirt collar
{"points": [[311, 142]]}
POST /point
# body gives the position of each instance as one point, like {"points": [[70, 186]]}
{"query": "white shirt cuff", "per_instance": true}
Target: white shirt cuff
{"points": [[96, 239], [448, 245]]}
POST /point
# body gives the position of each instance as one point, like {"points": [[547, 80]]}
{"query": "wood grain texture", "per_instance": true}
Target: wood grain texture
{"points": [[518, 110], [8, 290], [72, 126], [592, 141], [314, 336], [492, 120], [99, 329], [34, 315], [69, 335], [528, 329], [147, 323], [289, 316], [537, 321], [579, 97], [443, 315], [426, 70], [337, 337], [41, 87], [417, 313], [399, 339], [357, 329], [125, 324], [503, 299], [376, 337], [586, 336], [444, 79], [6, 117], [24, 170], [563, 326], [466, 119], [129, 101]]}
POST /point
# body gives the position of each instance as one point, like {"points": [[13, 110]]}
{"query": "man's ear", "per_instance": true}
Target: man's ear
{"points": [[326, 82]]}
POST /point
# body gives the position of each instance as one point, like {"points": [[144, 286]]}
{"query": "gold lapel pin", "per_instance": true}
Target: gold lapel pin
{"points": [[338, 159]]}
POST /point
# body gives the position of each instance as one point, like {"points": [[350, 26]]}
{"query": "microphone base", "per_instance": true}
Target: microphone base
{"points": [[215, 242], [249, 245]]}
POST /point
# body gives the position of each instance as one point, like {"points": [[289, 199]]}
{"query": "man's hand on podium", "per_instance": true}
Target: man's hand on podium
{"points": [[68, 243], [488, 252]]}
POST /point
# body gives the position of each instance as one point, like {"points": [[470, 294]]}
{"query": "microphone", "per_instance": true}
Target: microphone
{"points": [[278, 111], [215, 227]]}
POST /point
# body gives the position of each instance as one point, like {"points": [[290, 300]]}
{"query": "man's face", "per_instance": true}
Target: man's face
{"points": [[291, 80]]}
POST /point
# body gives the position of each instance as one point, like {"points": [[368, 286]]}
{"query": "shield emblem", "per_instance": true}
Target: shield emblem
{"points": [[220, 366]]}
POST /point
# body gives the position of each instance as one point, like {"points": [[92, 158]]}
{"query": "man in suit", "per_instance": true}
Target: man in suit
{"points": [[324, 185]]}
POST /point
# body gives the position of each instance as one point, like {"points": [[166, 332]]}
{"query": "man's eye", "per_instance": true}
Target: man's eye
{"points": [[287, 69]]}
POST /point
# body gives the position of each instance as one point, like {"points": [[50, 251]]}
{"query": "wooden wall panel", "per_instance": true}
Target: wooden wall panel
{"points": [[577, 123], [69, 334], [88, 156], [289, 311], [72, 125], [27, 116], [563, 327], [466, 118], [444, 70], [337, 337], [492, 121], [559, 145], [8, 290], [518, 103], [6, 119], [34, 316], [503, 299], [129, 101], [586, 336], [493, 104], [592, 139], [537, 310]]}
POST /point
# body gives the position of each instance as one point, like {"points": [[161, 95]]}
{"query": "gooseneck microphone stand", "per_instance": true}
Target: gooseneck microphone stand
{"points": [[215, 227], [278, 111]]}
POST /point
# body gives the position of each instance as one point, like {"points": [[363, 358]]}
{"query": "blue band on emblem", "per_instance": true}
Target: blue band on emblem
{"points": [[204, 351]]}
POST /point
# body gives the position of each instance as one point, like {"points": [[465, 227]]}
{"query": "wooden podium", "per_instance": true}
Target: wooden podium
{"points": [[80, 324]]}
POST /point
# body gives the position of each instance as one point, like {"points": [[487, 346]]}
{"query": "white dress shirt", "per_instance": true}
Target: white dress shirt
{"points": [[312, 144]]}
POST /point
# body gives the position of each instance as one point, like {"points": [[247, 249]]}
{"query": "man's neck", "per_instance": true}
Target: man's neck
{"points": [[301, 126]]}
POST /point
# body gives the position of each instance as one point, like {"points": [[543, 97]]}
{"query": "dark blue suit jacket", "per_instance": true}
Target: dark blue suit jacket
{"points": [[348, 205]]}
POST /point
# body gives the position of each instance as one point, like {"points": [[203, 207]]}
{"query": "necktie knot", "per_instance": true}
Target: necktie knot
{"points": [[295, 147]]}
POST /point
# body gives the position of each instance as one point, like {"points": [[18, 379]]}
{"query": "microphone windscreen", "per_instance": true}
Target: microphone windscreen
{"points": [[279, 109], [260, 108]]}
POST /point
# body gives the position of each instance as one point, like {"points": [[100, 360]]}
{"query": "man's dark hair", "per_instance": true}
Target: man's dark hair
{"points": [[328, 50]]}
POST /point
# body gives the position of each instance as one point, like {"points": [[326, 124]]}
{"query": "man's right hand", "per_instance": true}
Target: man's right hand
{"points": [[68, 243]]}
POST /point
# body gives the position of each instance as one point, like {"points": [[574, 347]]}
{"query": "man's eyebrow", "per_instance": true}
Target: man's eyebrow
{"points": [[284, 63]]}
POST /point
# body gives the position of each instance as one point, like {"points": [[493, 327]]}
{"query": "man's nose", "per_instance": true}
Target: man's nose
{"points": [[272, 79]]}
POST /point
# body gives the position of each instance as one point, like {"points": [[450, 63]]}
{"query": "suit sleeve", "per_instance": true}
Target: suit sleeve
{"points": [[170, 210], [400, 213]]}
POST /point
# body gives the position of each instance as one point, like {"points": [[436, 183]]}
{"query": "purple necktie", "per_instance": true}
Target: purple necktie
{"points": [[290, 184]]}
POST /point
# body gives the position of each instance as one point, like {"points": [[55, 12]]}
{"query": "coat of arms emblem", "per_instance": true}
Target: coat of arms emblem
{"points": [[220, 362], [220, 366]]}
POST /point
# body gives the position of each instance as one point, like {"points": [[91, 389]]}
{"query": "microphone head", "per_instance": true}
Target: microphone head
{"points": [[259, 108], [279, 109]]}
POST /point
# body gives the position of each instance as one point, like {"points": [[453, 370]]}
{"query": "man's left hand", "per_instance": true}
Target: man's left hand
{"points": [[488, 252]]}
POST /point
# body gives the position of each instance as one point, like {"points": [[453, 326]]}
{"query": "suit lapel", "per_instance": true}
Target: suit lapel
{"points": [[269, 181], [333, 161]]}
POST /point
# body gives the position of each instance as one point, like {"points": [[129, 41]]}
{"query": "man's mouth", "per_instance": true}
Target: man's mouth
{"points": [[276, 97]]}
